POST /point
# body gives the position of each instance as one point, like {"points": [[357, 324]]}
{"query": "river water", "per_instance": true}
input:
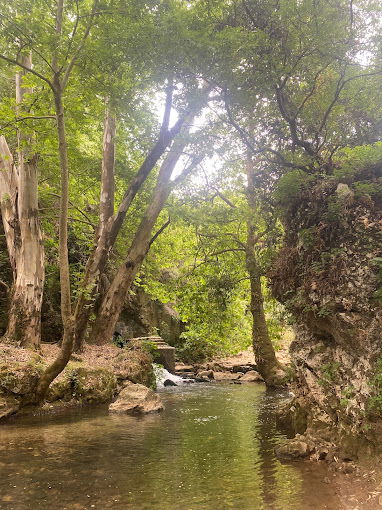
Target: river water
{"points": [[211, 448]]}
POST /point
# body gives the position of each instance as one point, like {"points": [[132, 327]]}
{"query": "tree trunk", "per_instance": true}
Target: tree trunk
{"points": [[114, 298], [67, 343], [265, 356], [107, 177], [8, 203], [24, 320], [108, 235]]}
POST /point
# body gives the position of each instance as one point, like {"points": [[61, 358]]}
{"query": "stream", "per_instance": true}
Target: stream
{"points": [[212, 447]]}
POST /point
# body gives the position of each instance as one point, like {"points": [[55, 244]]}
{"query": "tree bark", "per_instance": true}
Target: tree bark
{"points": [[114, 298], [24, 320], [265, 356], [8, 203], [97, 260]]}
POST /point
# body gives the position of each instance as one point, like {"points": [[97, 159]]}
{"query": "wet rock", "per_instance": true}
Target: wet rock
{"points": [[169, 382], [298, 447], [251, 376], [8, 406], [202, 379], [225, 376], [136, 399]]}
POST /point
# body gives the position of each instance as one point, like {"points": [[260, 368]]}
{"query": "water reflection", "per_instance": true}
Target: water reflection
{"points": [[212, 447]]}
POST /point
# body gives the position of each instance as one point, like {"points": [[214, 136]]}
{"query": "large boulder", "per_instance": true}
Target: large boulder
{"points": [[19, 379], [136, 399], [89, 386]]}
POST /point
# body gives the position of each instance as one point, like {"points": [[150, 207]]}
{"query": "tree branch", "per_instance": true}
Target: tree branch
{"points": [[16, 63]]}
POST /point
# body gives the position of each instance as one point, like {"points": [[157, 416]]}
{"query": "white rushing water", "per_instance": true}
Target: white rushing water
{"points": [[162, 375]]}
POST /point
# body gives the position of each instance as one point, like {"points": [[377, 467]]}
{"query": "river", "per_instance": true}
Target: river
{"points": [[211, 448]]}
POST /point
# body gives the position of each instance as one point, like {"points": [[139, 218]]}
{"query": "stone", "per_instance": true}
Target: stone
{"points": [[169, 382], [136, 399], [8, 406], [205, 374], [182, 368], [225, 376], [251, 376], [295, 448], [93, 385], [19, 380]]}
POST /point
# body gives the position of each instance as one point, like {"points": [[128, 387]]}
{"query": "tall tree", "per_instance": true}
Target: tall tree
{"points": [[23, 231]]}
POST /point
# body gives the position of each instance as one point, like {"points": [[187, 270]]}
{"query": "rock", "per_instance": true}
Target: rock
{"points": [[251, 376], [202, 379], [136, 399], [295, 448], [93, 385], [19, 380], [181, 368], [225, 376], [206, 374], [344, 192], [8, 406], [169, 382], [243, 368]]}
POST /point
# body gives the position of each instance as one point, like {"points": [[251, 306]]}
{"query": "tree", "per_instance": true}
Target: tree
{"points": [[19, 192]]}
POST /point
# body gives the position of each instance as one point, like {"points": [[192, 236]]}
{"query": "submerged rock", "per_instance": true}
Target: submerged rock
{"points": [[136, 399]]}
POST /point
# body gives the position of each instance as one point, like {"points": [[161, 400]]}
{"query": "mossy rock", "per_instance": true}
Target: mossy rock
{"points": [[92, 385], [19, 380], [60, 390]]}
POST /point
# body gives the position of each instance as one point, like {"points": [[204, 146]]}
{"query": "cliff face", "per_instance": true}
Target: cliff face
{"points": [[329, 276], [144, 316]]}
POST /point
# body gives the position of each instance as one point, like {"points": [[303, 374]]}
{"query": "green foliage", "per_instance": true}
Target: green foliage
{"points": [[353, 161], [375, 401], [329, 373], [377, 262], [335, 210], [289, 187]]}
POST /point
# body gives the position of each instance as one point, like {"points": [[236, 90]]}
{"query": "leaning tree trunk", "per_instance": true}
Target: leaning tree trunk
{"points": [[265, 356], [114, 298], [108, 234], [24, 320]]}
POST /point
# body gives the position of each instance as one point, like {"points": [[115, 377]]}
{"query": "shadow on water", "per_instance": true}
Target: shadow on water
{"points": [[211, 448]]}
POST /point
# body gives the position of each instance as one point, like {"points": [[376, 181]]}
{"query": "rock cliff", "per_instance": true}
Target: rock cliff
{"points": [[329, 276]]}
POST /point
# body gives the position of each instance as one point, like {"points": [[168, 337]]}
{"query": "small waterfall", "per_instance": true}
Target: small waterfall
{"points": [[165, 378]]}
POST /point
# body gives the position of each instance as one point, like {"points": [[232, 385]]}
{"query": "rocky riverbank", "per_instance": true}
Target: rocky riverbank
{"points": [[98, 375], [239, 367]]}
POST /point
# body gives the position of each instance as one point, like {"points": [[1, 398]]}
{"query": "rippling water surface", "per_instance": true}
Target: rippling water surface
{"points": [[211, 448]]}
